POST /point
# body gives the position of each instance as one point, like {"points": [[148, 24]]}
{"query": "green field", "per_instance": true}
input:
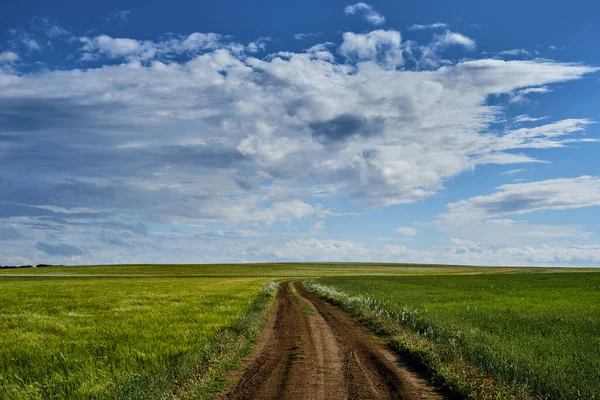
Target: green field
{"points": [[488, 335], [274, 270], [173, 331], [111, 338]]}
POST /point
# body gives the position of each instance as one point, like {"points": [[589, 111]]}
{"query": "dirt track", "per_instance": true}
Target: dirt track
{"points": [[313, 350]]}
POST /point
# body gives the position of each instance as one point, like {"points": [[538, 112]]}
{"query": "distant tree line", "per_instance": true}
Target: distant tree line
{"points": [[29, 266]]}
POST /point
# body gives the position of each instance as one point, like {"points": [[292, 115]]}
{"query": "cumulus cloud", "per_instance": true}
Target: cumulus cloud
{"points": [[367, 11], [376, 117], [96, 47], [385, 46], [8, 57], [524, 198], [259, 44], [454, 39], [431, 54], [197, 129]]}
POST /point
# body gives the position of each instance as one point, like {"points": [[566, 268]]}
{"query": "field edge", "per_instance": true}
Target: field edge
{"points": [[445, 366], [202, 375]]}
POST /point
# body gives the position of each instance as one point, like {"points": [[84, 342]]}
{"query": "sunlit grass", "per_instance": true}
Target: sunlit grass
{"points": [[94, 338], [172, 331], [539, 333]]}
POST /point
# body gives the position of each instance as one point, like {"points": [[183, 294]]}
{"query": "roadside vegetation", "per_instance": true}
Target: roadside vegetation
{"points": [[528, 335], [133, 338]]}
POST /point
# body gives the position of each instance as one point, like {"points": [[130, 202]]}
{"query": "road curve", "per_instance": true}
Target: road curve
{"points": [[312, 350]]}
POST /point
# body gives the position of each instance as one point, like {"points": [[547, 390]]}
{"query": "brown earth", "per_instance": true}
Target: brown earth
{"points": [[313, 350]]}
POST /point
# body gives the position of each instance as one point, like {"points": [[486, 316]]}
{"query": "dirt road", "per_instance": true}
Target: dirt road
{"points": [[312, 350]]}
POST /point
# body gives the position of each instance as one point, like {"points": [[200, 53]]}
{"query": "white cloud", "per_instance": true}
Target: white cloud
{"points": [[295, 209], [515, 52], [527, 118], [322, 51], [501, 158], [367, 132], [539, 137], [8, 57], [105, 46], [524, 198], [555, 256], [512, 171], [115, 47], [431, 54], [302, 36], [436, 25], [519, 96], [378, 44], [367, 11], [406, 231], [520, 73], [504, 232], [454, 39], [460, 252], [259, 44], [196, 130]]}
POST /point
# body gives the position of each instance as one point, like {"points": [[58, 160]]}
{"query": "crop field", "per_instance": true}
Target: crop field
{"points": [[119, 338], [173, 331], [272, 270], [487, 336]]}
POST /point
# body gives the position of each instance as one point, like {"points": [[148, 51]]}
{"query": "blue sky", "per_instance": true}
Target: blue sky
{"points": [[230, 131]]}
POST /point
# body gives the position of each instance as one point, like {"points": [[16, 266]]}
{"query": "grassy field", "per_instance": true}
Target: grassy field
{"points": [[172, 331], [274, 270], [488, 336], [121, 338]]}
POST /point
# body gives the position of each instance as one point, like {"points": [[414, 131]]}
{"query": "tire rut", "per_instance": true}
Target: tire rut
{"points": [[313, 350]]}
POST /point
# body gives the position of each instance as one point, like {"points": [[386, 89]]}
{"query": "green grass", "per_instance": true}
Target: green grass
{"points": [[172, 331], [488, 336], [123, 338], [272, 270]]}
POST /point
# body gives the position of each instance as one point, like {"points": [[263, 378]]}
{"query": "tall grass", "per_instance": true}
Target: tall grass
{"points": [[124, 338], [487, 336]]}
